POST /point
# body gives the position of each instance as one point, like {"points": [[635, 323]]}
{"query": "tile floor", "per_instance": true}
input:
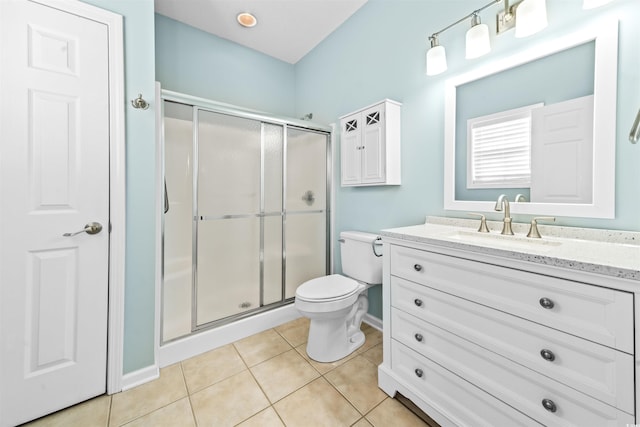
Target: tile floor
{"points": [[263, 380]]}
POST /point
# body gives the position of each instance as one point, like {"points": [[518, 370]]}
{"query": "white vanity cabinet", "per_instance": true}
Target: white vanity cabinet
{"points": [[370, 145], [529, 344]]}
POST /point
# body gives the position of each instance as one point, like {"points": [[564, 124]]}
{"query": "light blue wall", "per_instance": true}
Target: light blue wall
{"points": [[197, 63], [380, 53], [140, 173]]}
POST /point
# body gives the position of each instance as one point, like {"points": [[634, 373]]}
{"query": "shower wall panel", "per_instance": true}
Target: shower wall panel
{"points": [[177, 243]]}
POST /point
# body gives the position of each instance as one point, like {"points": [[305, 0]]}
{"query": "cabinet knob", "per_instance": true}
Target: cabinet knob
{"points": [[418, 302], [547, 355], [549, 405], [417, 267], [418, 337], [546, 303], [419, 373]]}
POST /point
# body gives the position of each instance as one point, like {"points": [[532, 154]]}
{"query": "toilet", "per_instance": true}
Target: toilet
{"points": [[336, 304]]}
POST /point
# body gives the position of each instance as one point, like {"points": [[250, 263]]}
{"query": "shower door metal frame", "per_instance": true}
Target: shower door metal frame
{"points": [[201, 104]]}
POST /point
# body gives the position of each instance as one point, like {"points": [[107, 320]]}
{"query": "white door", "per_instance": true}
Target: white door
{"points": [[373, 145], [54, 179], [350, 143], [562, 152]]}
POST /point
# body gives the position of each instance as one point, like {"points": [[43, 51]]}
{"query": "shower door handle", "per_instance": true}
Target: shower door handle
{"points": [[166, 197]]}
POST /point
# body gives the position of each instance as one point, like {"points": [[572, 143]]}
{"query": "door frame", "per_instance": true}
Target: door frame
{"points": [[117, 182]]}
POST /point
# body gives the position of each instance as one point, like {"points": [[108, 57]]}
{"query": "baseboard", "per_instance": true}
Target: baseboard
{"points": [[204, 341], [372, 321], [139, 377]]}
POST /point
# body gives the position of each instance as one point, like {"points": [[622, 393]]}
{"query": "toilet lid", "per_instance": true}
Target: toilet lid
{"points": [[327, 287]]}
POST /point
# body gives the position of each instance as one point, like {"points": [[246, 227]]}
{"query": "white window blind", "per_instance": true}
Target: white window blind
{"points": [[499, 149]]}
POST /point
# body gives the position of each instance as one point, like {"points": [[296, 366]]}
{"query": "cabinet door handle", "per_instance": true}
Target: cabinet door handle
{"points": [[419, 372], [547, 303], [547, 355], [419, 337], [417, 267], [418, 302], [549, 405]]}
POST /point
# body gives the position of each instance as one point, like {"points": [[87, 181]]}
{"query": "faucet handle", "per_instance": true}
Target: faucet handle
{"points": [[483, 222], [533, 231]]}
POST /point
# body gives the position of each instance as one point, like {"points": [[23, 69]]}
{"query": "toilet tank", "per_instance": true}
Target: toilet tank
{"points": [[358, 259]]}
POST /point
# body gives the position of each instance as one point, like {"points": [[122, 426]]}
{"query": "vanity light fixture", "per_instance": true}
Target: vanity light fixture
{"points": [[246, 19], [436, 57], [527, 17], [531, 17], [477, 39]]}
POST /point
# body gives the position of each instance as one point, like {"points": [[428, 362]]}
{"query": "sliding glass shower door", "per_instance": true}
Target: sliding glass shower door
{"points": [[258, 219], [239, 188]]}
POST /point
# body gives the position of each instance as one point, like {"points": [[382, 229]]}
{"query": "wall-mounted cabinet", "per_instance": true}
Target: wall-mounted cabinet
{"points": [[370, 145]]}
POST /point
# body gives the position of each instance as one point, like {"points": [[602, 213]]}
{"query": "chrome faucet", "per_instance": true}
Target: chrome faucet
{"points": [[506, 222]]}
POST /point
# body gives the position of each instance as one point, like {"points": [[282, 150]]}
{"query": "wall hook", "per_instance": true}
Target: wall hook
{"points": [[139, 103]]}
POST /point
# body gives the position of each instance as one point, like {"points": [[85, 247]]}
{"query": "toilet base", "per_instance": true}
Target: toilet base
{"points": [[340, 347], [334, 338]]}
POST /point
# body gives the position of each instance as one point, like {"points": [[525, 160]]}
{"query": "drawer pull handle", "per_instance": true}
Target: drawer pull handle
{"points": [[549, 405], [547, 355], [418, 302], [546, 303], [419, 337], [419, 373], [417, 267]]}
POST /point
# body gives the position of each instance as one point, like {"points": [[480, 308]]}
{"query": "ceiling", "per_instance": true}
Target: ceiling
{"points": [[286, 29]]}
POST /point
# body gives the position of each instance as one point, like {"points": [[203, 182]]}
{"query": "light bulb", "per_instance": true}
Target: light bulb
{"points": [[531, 17], [436, 60], [477, 43]]}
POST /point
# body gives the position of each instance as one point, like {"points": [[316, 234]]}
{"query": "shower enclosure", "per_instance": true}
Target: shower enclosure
{"points": [[246, 212]]}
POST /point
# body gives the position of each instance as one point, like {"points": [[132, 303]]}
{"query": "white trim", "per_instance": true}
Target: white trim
{"points": [[332, 197], [605, 34], [372, 321], [199, 343], [158, 217], [139, 377], [117, 182]]}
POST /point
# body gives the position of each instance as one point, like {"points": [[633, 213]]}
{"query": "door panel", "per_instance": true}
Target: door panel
{"points": [[306, 204], [228, 280], [54, 179], [562, 152]]}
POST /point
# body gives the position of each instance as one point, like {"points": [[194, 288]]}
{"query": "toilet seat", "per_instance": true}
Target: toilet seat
{"points": [[328, 288]]}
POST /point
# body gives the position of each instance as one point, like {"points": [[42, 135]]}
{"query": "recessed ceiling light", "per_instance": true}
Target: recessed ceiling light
{"points": [[246, 19]]}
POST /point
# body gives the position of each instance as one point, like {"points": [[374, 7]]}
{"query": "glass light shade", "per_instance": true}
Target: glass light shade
{"points": [[531, 17], [436, 60], [478, 43], [591, 4]]}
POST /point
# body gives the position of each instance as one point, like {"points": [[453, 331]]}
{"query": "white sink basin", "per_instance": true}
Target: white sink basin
{"points": [[502, 241]]}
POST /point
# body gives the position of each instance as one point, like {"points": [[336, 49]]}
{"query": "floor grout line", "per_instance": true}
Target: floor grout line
{"points": [[321, 372]]}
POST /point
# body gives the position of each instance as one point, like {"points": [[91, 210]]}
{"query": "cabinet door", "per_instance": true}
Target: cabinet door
{"points": [[373, 145], [351, 150]]}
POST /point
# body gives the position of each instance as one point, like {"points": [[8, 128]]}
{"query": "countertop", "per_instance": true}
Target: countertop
{"points": [[608, 252]]}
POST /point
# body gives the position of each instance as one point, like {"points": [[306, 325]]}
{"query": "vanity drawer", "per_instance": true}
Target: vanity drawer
{"points": [[595, 313], [517, 386], [601, 372], [463, 403]]}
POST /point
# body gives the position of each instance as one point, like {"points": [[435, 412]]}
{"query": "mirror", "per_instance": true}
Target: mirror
{"points": [[592, 54]]}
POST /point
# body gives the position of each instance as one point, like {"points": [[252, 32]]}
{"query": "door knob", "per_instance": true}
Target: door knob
{"points": [[91, 228]]}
